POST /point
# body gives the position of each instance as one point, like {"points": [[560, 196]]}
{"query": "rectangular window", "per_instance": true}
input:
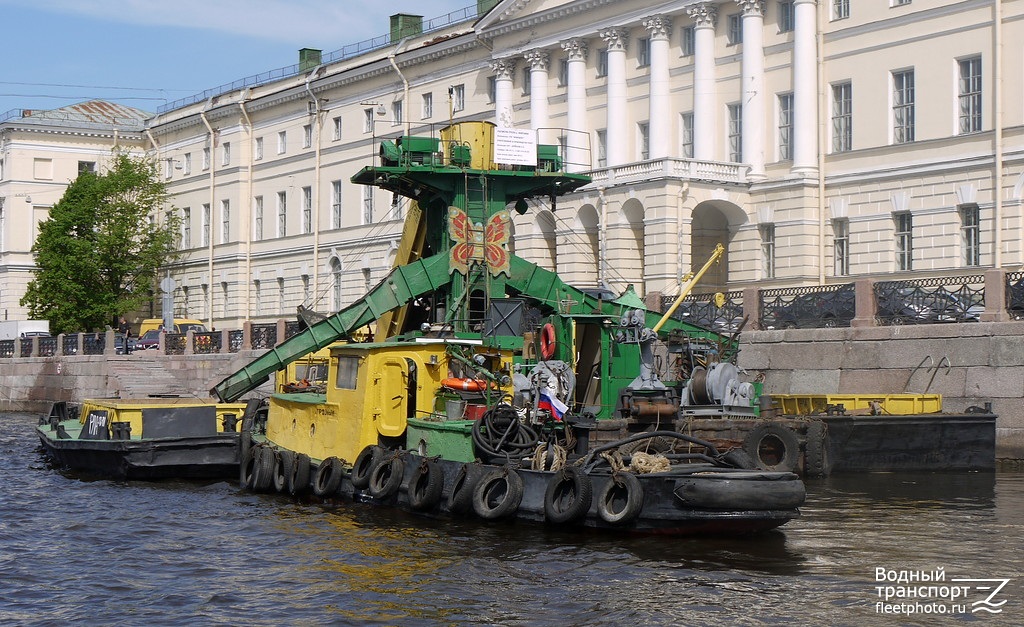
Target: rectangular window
{"points": [[225, 221], [396, 207], [427, 106], [186, 167], [458, 96], [280, 295], [785, 127], [336, 125], [336, 204], [787, 18], [736, 133], [282, 142], [367, 120], [969, 87], [687, 41], [643, 131], [206, 158], [643, 52], [903, 106], [86, 166], [225, 153], [367, 204], [282, 214], [307, 209], [602, 148], [686, 127], [842, 117], [527, 80], [904, 240], [186, 228], [735, 32], [492, 89], [205, 233], [768, 250], [602, 63], [257, 149], [840, 9], [257, 222], [168, 168], [563, 72], [307, 135], [348, 373], [899, 3], [841, 246], [970, 227]]}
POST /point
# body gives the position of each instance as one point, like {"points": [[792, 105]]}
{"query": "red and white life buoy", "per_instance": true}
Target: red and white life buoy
{"points": [[468, 385], [547, 341]]}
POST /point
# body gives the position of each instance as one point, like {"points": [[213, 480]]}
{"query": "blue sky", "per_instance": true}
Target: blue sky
{"points": [[143, 53]]}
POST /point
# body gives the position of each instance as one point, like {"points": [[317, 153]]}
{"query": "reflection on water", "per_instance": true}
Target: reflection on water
{"points": [[177, 552]]}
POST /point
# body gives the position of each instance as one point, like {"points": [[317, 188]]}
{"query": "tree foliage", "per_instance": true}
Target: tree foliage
{"points": [[98, 252]]}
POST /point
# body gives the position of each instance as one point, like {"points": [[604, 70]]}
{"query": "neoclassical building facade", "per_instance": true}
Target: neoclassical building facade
{"points": [[819, 141]]}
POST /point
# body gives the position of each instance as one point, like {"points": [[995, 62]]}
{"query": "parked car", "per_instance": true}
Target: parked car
{"points": [[832, 308], [149, 340]]}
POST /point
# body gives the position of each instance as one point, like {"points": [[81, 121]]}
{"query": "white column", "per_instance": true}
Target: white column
{"points": [[503, 71], [805, 87], [660, 117], [539, 61], [616, 93], [704, 127], [580, 155], [753, 99]]}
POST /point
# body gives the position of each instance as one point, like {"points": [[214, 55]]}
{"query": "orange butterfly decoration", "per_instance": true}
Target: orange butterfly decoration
{"points": [[474, 244]]}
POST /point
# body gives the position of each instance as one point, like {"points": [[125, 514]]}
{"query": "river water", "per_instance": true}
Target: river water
{"points": [[78, 551]]}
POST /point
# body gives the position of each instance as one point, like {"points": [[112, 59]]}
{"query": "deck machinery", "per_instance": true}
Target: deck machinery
{"points": [[454, 259]]}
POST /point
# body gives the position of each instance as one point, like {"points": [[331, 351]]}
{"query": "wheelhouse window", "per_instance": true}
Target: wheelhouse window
{"points": [[348, 373]]}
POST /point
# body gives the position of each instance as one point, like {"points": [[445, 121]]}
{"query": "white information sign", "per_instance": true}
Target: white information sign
{"points": [[515, 146]]}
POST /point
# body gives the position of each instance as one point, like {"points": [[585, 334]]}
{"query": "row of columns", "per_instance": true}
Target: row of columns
{"points": [[754, 105]]}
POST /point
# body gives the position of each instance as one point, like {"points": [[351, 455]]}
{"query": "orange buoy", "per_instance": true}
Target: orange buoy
{"points": [[468, 385], [547, 341]]}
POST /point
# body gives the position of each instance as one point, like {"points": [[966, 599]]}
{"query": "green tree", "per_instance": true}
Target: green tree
{"points": [[97, 254]]}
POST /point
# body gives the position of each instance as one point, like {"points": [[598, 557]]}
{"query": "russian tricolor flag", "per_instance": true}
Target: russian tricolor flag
{"points": [[551, 403]]}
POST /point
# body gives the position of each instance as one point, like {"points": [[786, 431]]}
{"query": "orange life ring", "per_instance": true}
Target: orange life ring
{"points": [[547, 341], [469, 385]]}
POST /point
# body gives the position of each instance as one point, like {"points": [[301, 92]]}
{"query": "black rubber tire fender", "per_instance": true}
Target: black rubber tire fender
{"points": [[283, 468], [620, 501], [460, 499], [263, 474], [425, 485], [776, 435], [367, 460], [247, 468], [328, 477], [498, 494], [568, 496], [386, 477], [816, 462], [298, 478]]}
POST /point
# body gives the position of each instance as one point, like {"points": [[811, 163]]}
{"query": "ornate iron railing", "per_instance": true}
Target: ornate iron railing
{"points": [[808, 307], [6, 348], [235, 340], [206, 343], [264, 335], [1015, 295], [174, 343], [700, 309], [930, 301]]}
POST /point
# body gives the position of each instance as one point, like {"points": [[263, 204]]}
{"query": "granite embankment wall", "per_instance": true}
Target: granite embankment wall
{"points": [[969, 364]]}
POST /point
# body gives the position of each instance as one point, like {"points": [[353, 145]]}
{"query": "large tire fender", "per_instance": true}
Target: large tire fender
{"points": [[498, 494], [773, 446], [568, 496], [328, 477], [620, 500], [363, 467], [425, 485], [386, 477]]}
